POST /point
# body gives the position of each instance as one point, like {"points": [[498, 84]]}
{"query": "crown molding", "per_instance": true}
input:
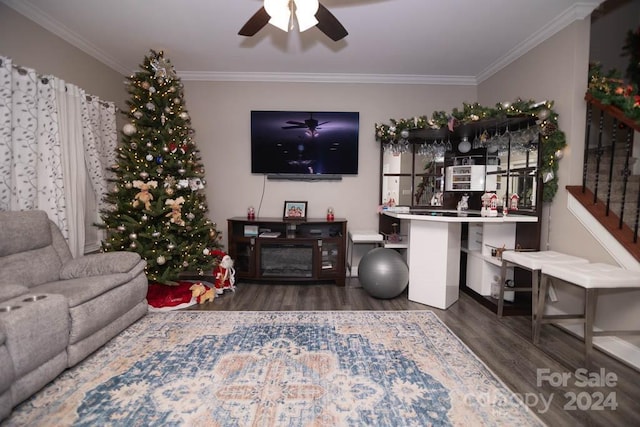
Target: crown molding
{"points": [[57, 28], [577, 12], [327, 78]]}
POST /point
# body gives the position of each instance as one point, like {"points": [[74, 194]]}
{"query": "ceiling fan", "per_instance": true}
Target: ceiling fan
{"points": [[280, 13], [311, 124]]}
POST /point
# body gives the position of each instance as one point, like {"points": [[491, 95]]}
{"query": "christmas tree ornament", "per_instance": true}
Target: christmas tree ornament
{"points": [[144, 175], [155, 234], [559, 154], [128, 129], [544, 114], [161, 260], [184, 115], [171, 246], [548, 177], [133, 236], [182, 171], [152, 90], [150, 106], [145, 85], [149, 157], [128, 185], [176, 101], [133, 245], [138, 114], [159, 160], [134, 146], [121, 227], [149, 144], [144, 218]]}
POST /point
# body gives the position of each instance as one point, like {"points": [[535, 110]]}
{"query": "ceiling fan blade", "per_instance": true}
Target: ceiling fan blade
{"points": [[255, 23], [329, 24], [293, 122], [295, 127]]}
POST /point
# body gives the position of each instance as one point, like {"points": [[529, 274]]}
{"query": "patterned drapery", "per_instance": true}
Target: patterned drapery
{"points": [[54, 139]]}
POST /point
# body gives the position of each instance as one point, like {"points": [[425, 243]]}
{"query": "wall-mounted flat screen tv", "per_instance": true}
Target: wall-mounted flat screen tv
{"points": [[304, 143]]}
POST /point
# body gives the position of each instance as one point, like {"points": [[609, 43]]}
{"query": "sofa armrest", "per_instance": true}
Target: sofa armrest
{"points": [[99, 264], [9, 291]]}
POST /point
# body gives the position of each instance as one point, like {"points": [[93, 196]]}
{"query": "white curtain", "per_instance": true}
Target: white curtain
{"points": [[50, 149]]}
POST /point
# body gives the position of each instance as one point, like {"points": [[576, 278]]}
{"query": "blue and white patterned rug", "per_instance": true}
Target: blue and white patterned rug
{"points": [[347, 368]]}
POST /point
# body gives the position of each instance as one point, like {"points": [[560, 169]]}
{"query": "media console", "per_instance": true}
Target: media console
{"points": [[273, 249]]}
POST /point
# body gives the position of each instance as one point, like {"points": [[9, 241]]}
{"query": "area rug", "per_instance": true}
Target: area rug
{"points": [[347, 368]]}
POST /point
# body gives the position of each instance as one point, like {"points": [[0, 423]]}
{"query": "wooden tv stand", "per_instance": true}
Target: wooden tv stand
{"points": [[296, 251]]}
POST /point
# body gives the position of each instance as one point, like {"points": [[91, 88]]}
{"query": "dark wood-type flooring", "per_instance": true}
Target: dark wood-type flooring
{"points": [[504, 345]]}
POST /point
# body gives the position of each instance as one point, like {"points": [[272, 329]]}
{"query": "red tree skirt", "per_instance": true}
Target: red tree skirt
{"points": [[164, 297]]}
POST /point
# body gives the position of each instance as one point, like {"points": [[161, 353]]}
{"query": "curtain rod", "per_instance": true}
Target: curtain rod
{"points": [[45, 80]]}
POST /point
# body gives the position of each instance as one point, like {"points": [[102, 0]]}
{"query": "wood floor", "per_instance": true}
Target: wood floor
{"points": [[504, 345]]}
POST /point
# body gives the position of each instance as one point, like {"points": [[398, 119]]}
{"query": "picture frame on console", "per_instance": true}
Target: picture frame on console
{"points": [[295, 210]]}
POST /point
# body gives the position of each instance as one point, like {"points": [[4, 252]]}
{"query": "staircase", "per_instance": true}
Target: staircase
{"points": [[610, 188]]}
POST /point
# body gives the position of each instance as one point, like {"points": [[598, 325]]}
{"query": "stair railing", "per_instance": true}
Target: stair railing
{"points": [[613, 130]]}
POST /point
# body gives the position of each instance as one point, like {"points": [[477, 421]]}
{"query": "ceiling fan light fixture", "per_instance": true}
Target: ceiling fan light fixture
{"points": [[280, 13], [306, 13]]}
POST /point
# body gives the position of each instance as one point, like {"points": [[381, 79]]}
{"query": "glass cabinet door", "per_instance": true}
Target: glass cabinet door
{"points": [[244, 256], [330, 258]]}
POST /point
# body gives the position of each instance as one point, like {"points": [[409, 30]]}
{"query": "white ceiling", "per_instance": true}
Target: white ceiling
{"points": [[393, 41]]}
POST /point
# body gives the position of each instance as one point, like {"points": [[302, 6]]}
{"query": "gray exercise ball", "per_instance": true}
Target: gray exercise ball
{"points": [[383, 273]]}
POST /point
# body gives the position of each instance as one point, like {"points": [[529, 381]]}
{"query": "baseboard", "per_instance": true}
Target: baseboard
{"points": [[615, 347]]}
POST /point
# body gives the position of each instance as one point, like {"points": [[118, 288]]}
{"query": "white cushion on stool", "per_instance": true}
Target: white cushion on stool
{"points": [[597, 275], [536, 260], [365, 236]]}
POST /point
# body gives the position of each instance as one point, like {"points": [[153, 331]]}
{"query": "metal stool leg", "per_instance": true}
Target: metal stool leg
{"points": [[540, 308], [503, 278], [590, 300]]}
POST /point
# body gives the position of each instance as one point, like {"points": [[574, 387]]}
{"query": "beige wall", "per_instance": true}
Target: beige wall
{"points": [[220, 116], [30, 45], [556, 70]]}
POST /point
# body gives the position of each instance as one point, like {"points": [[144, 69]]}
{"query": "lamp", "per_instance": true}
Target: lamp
{"points": [[306, 13], [280, 13]]}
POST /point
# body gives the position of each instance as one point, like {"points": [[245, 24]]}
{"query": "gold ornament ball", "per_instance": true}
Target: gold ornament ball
{"points": [[161, 260]]}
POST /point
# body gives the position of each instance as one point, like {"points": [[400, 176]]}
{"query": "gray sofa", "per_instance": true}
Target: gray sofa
{"points": [[56, 310]]}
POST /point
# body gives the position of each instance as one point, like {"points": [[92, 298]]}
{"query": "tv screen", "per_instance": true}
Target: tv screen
{"points": [[304, 143]]}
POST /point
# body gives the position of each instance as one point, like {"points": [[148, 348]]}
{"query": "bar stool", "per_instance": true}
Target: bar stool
{"points": [[360, 237], [532, 261], [592, 278]]}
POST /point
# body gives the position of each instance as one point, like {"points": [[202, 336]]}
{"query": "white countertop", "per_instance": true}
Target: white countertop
{"points": [[443, 215]]}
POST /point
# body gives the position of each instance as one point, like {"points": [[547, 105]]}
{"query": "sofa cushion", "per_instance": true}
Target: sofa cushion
{"points": [[80, 290], [31, 267], [22, 231], [99, 264], [10, 290]]}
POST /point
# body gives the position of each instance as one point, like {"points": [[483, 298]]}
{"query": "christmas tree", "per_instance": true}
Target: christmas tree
{"points": [[157, 204]]}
